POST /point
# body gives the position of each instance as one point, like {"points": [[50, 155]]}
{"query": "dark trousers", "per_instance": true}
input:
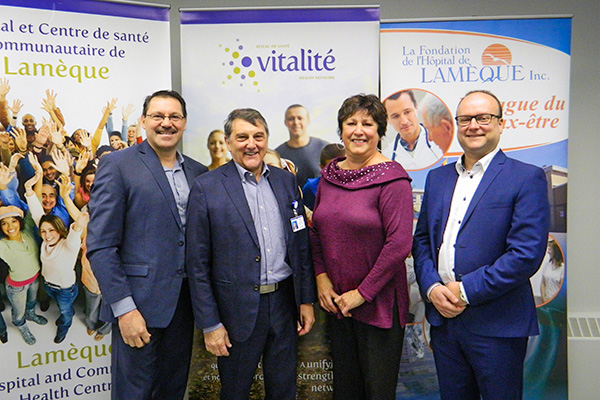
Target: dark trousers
{"points": [[471, 367], [159, 370], [366, 359], [274, 338]]}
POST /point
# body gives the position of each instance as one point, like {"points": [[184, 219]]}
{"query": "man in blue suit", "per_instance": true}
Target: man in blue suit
{"points": [[481, 235], [249, 263], [136, 246]]}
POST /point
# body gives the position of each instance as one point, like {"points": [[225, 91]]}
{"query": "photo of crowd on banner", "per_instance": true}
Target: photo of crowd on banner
{"points": [[253, 247]]}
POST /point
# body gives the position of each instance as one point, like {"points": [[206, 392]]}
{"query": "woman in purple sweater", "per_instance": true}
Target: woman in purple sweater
{"points": [[362, 232]]}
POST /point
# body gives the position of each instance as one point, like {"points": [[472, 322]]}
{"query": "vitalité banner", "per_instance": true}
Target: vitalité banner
{"points": [[269, 59]]}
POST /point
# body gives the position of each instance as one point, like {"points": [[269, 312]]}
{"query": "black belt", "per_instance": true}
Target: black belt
{"points": [[53, 286]]}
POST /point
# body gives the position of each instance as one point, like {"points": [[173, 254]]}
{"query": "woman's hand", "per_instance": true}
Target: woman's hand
{"points": [[326, 293], [82, 162], [349, 301]]}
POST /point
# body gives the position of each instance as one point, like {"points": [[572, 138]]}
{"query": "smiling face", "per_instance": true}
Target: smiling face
{"points": [[359, 133], [115, 142], [131, 133], [248, 144], [403, 116], [49, 234], [164, 135], [88, 182], [217, 146], [296, 120], [48, 198], [28, 122], [479, 140], [50, 173], [11, 227]]}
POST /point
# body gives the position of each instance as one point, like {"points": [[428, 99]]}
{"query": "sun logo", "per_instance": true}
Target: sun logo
{"points": [[496, 54]]}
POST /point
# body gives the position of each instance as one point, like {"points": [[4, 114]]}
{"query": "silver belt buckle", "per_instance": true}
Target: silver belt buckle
{"points": [[270, 288]]}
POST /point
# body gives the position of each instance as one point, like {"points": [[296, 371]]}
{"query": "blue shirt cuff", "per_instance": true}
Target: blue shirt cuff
{"points": [[123, 306]]}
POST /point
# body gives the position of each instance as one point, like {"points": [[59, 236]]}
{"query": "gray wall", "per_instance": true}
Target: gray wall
{"points": [[584, 139]]}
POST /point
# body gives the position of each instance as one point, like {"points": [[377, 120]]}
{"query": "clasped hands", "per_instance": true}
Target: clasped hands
{"points": [[446, 299], [332, 302]]}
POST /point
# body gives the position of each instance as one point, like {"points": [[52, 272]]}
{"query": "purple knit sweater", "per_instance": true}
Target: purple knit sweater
{"points": [[361, 234]]}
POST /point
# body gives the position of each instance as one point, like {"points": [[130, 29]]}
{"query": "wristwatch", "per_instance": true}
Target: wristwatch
{"points": [[462, 296]]}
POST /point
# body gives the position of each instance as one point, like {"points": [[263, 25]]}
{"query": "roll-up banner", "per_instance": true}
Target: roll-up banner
{"points": [[526, 63], [269, 59], [80, 55]]}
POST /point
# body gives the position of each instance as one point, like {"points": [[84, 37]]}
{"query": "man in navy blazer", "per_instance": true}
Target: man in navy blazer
{"points": [[482, 233], [136, 246], [249, 263]]}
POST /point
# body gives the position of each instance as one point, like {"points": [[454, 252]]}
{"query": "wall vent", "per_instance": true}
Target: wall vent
{"points": [[585, 326]]}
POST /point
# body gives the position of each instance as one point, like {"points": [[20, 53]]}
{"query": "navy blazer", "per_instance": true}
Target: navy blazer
{"points": [[500, 245], [136, 240], [223, 254]]}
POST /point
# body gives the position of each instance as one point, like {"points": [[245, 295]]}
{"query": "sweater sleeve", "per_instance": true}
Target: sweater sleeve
{"points": [[395, 209]]}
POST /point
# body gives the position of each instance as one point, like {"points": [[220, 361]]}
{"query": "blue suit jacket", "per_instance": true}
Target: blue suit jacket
{"points": [[500, 245], [136, 241], [223, 254]]}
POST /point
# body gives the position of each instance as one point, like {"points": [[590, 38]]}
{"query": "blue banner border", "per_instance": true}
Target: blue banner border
{"points": [[279, 15], [129, 10], [554, 32]]}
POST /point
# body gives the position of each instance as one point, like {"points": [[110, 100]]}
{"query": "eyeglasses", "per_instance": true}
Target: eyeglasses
{"points": [[175, 118], [481, 119]]}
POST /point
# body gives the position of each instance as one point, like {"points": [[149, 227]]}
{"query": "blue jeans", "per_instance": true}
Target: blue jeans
{"points": [[92, 313], [21, 298], [64, 299], [2, 325]]}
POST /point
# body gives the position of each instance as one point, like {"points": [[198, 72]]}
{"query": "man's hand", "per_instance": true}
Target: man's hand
{"points": [[455, 289], [133, 329], [326, 293], [217, 342], [445, 301], [307, 319]]}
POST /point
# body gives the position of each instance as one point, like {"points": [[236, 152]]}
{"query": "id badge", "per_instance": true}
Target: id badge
{"points": [[297, 223]]}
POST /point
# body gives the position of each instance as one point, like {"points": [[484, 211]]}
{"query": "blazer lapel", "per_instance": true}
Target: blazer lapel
{"points": [[488, 177], [233, 186], [448, 190], [190, 175], [150, 159]]}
